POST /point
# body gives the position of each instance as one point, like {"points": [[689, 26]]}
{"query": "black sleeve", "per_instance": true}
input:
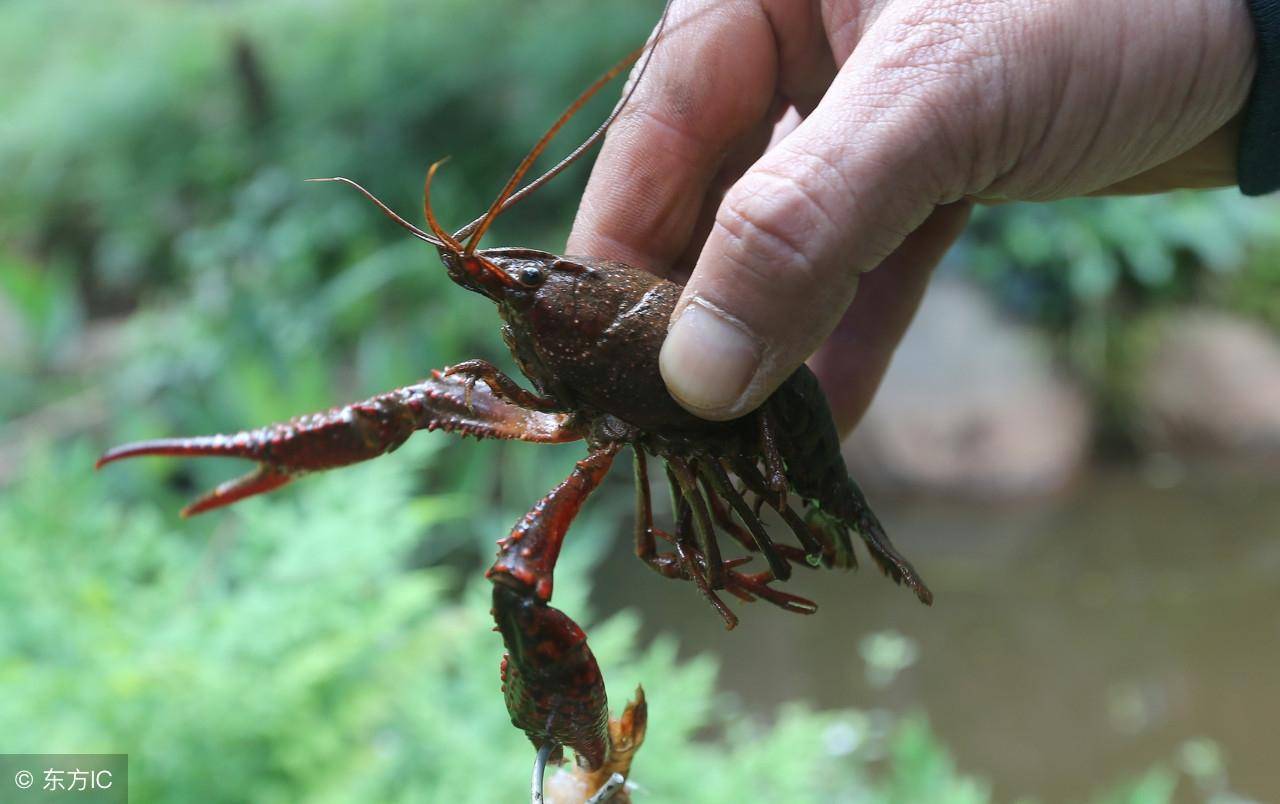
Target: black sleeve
{"points": [[1259, 160]]}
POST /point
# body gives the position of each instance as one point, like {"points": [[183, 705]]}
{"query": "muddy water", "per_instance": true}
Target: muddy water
{"points": [[1073, 642]]}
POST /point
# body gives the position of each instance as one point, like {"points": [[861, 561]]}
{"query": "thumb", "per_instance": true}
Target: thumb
{"points": [[791, 237]]}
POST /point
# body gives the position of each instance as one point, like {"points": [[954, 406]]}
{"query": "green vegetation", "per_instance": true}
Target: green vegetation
{"points": [[293, 650], [163, 270], [297, 649], [1071, 262]]}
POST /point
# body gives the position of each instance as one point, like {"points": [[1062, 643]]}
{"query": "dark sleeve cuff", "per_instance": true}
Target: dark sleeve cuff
{"points": [[1258, 168]]}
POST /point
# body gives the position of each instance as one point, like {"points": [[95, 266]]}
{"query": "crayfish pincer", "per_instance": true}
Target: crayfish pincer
{"points": [[586, 333]]}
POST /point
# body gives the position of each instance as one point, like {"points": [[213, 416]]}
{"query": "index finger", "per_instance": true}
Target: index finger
{"points": [[711, 80]]}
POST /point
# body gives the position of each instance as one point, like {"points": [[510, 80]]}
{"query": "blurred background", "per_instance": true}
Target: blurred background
{"points": [[1077, 446]]}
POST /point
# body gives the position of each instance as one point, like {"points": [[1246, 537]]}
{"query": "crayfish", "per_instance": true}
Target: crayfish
{"points": [[586, 333]]}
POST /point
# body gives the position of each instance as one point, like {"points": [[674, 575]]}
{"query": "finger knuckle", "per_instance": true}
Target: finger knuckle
{"points": [[773, 222], [677, 131]]}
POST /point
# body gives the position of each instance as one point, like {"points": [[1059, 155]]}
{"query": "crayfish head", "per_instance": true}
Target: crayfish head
{"points": [[512, 277], [505, 275], [471, 272]]}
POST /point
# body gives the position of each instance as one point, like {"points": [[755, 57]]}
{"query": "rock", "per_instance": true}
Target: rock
{"points": [[972, 406], [1211, 384]]}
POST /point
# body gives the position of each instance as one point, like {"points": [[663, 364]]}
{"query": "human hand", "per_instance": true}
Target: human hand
{"points": [[782, 149]]}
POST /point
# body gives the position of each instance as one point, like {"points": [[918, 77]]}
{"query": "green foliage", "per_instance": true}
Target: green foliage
{"points": [[193, 148], [288, 650], [1256, 291], [1153, 787], [1060, 263], [173, 179], [1091, 270], [293, 648]]}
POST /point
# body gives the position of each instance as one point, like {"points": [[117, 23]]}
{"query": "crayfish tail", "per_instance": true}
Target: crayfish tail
{"points": [[627, 732], [888, 558], [810, 447], [626, 735]]}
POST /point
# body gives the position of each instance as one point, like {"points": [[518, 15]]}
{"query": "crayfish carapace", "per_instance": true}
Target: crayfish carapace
{"points": [[586, 333]]}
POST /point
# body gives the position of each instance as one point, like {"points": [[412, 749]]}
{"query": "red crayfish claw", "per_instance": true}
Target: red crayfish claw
{"points": [[555, 693], [283, 451], [355, 433]]}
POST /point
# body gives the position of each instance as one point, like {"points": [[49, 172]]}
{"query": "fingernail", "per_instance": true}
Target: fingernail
{"points": [[708, 360]]}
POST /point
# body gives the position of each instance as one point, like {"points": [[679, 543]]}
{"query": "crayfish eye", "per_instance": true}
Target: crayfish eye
{"points": [[531, 276]]}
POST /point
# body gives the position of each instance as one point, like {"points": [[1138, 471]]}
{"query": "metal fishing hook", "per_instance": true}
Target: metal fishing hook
{"points": [[540, 770]]}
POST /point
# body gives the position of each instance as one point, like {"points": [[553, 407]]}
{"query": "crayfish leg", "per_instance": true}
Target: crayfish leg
{"points": [[501, 384], [719, 480], [687, 562], [702, 525], [527, 557]]}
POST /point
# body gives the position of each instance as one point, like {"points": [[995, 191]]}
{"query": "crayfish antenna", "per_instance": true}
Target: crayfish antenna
{"points": [[474, 231], [443, 236], [386, 210]]}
